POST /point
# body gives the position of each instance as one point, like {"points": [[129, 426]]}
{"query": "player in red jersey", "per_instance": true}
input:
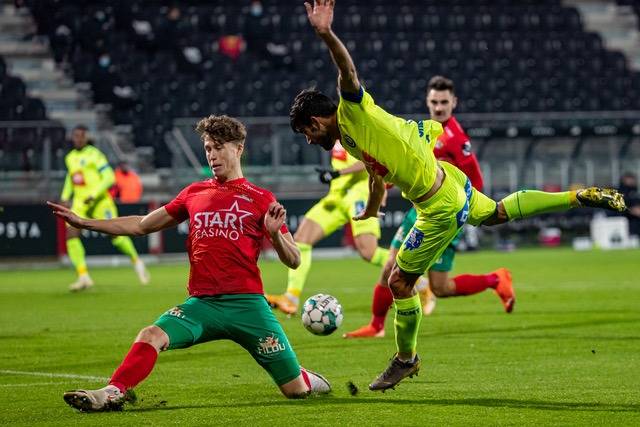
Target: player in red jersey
{"points": [[452, 146], [228, 218]]}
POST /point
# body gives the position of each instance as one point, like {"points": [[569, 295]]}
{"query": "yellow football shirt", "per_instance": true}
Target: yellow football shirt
{"points": [[88, 173], [399, 150], [341, 159]]}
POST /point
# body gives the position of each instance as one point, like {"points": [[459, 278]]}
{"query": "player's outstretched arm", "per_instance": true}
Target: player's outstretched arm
{"points": [[321, 17], [376, 195], [284, 244], [135, 225]]}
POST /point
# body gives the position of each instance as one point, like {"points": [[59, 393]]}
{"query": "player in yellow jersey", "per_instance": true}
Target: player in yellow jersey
{"points": [[88, 180], [401, 152], [348, 193]]}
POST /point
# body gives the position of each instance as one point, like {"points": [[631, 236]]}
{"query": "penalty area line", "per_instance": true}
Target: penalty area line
{"points": [[53, 375]]}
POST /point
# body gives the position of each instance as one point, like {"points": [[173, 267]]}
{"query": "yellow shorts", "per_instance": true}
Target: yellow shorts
{"points": [[440, 218], [332, 212], [104, 208]]}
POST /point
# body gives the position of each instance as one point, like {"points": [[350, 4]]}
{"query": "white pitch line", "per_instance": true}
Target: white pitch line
{"points": [[53, 375], [30, 384]]}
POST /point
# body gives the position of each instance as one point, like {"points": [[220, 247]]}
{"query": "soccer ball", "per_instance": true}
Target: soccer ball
{"points": [[321, 314]]}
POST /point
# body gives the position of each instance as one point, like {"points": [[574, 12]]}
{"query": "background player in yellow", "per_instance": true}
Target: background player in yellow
{"points": [[88, 180], [401, 152], [348, 193]]}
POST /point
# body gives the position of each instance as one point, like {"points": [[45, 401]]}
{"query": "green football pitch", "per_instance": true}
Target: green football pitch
{"points": [[569, 354]]}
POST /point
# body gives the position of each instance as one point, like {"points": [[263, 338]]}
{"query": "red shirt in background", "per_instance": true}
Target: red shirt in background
{"points": [[453, 146]]}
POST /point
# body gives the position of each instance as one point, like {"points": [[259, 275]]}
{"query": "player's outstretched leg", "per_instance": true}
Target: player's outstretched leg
{"points": [[526, 203], [382, 301], [136, 366]]}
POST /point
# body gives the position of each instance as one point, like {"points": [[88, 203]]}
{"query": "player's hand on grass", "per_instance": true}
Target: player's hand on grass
{"points": [[66, 214], [326, 175], [320, 15], [275, 218]]}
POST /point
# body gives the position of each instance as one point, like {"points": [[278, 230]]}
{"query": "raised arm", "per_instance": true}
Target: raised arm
{"points": [[321, 17], [135, 225], [284, 244]]}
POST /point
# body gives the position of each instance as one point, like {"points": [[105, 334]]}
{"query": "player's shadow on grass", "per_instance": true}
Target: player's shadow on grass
{"points": [[481, 402]]}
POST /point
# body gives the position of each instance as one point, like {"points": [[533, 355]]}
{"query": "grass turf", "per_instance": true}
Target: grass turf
{"points": [[568, 355]]}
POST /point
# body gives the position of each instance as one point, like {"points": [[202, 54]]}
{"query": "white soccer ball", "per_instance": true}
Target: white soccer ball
{"points": [[321, 314]]}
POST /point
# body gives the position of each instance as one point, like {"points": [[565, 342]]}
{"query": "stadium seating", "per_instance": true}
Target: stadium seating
{"points": [[21, 144], [153, 63]]}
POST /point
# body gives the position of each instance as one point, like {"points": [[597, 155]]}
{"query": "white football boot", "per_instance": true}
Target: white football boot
{"points": [[142, 272], [108, 398], [84, 282], [319, 384]]}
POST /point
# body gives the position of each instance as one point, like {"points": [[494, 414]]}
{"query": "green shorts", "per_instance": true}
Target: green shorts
{"points": [[103, 208], [440, 218], [245, 319], [445, 262], [334, 211]]}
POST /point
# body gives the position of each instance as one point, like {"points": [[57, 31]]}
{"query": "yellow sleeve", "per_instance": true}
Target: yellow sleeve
{"points": [[107, 177], [67, 190]]}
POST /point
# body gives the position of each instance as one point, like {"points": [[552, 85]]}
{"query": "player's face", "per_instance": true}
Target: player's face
{"points": [[441, 104], [318, 134], [79, 138], [223, 157]]}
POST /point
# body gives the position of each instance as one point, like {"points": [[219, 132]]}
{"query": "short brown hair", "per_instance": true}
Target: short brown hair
{"points": [[222, 128], [440, 83]]}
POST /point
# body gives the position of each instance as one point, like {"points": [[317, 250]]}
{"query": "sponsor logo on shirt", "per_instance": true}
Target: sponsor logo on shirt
{"points": [[226, 223], [77, 178], [349, 141], [176, 312], [414, 240], [270, 345]]}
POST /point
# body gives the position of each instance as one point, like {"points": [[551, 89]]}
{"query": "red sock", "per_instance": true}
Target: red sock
{"points": [[135, 367], [382, 300], [469, 284]]}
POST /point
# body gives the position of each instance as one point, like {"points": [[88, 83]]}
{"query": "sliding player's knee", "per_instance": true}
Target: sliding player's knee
{"points": [[154, 336]]}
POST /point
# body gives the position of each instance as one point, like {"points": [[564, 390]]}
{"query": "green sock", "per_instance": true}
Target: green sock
{"points": [[379, 256], [407, 323], [298, 277], [526, 203], [125, 245], [75, 250]]}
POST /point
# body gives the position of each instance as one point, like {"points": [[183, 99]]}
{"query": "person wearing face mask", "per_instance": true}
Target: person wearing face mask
{"points": [[228, 219]]}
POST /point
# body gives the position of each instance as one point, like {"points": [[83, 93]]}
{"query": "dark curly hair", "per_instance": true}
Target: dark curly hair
{"points": [[222, 128], [440, 83], [308, 103]]}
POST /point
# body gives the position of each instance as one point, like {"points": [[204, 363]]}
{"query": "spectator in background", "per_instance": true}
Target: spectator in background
{"points": [[629, 189], [258, 35], [128, 187]]}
